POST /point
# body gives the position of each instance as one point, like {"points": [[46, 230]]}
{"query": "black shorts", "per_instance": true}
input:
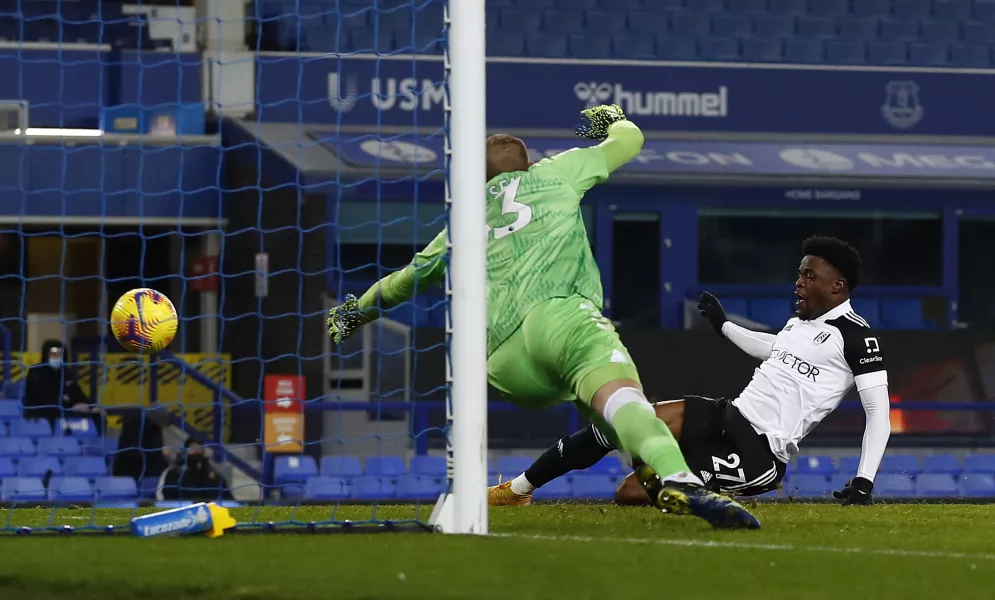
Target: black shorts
{"points": [[724, 449]]}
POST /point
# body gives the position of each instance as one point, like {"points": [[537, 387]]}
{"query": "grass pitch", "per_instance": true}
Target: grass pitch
{"points": [[548, 551]]}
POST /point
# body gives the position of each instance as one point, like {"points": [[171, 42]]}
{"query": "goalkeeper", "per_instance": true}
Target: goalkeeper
{"points": [[547, 341]]}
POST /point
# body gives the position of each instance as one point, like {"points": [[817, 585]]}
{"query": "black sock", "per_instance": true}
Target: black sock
{"points": [[578, 451]]}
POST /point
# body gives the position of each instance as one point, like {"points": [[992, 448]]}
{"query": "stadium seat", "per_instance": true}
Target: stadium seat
{"points": [[586, 45], [731, 25], [544, 45], [929, 55], [828, 8], [933, 485], [417, 488], [804, 52], [16, 447], [341, 466], [746, 6], [710, 6], [887, 53], [115, 488], [848, 465], [689, 23], [526, 22], [817, 28], [719, 49], [70, 489], [894, 485], [85, 466], [609, 465], [845, 52], [10, 410], [788, 7], [605, 23], [594, 487], [7, 468], [292, 491], [911, 9], [774, 26], [858, 28], [978, 33], [147, 487], [59, 446], [12, 390], [513, 466], [370, 488], [977, 485], [30, 428], [294, 469], [984, 10], [940, 31], [947, 464], [326, 488], [902, 313], [895, 30], [502, 43], [969, 55], [633, 47], [22, 489], [652, 22], [428, 466], [773, 312], [872, 8], [39, 466], [951, 10], [384, 466], [813, 465], [577, 4], [980, 463], [558, 489], [676, 48], [907, 464], [563, 22], [867, 308], [808, 486]]}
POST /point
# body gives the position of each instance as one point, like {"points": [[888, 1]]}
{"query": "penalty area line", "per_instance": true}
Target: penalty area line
{"points": [[752, 546]]}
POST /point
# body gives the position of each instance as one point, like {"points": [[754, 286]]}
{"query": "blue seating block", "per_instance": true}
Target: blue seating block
{"points": [[294, 469], [894, 485], [594, 487], [60, 446], [946, 464], [545, 45], [563, 22], [341, 466], [523, 21], [585, 45], [370, 488], [887, 53], [705, 5], [952, 10], [7, 468], [872, 8], [558, 489], [16, 447], [609, 465], [650, 22], [505, 43], [940, 31], [719, 49], [980, 463], [929, 55], [22, 489], [605, 23], [773, 312], [808, 486], [902, 313], [828, 8], [39, 466], [823, 28], [731, 25], [70, 489], [774, 26], [30, 428], [384, 466], [977, 485], [969, 55], [676, 48], [417, 488], [428, 466], [858, 28], [932, 485], [913, 9], [848, 465], [746, 6], [689, 23], [10, 410], [85, 466], [326, 488], [845, 52], [813, 465], [115, 488], [513, 466], [978, 32], [148, 486], [907, 464], [788, 7], [984, 10]]}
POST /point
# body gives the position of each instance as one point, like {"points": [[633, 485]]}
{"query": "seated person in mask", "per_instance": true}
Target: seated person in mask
{"points": [[192, 476], [52, 392]]}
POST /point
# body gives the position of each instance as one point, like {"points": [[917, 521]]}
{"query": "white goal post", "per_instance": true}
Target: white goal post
{"points": [[464, 509]]}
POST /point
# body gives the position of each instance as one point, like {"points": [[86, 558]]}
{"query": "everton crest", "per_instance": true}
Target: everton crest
{"points": [[902, 108]]}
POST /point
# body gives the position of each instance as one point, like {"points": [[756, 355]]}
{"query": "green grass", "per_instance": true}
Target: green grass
{"points": [[803, 552]]}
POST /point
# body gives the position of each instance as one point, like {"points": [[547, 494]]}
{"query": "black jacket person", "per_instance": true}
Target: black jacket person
{"points": [[51, 391]]}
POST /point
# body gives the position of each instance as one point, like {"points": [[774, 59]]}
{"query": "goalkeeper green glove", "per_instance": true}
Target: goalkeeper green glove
{"points": [[597, 120], [345, 319]]}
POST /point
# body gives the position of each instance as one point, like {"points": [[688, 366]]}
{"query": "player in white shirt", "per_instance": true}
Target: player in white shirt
{"points": [[742, 446]]}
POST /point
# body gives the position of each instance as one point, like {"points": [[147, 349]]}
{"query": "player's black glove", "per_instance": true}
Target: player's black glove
{"points": [[597, 119], [856, 491], [345, 319], [710, 308]]}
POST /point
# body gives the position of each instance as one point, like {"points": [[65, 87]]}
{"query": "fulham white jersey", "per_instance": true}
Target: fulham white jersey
{"points": [[811, 367]]}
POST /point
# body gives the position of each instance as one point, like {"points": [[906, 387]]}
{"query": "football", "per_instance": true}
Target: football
{"points": [[144, 320]]}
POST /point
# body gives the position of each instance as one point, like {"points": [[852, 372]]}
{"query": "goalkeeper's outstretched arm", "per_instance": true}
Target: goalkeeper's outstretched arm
{"points": [[424, 271]]}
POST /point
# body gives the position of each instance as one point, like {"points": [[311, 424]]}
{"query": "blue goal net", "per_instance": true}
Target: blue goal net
{"points": [[255, 165]]}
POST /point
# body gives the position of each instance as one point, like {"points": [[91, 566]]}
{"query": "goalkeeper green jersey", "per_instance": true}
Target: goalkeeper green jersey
{"points": [[537, 243]]}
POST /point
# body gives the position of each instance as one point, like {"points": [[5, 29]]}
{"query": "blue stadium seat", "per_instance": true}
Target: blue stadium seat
{"points": [[978, 33], [563, 22], [872, 8], [736, 305], [59, 446], [980, 463], [813, 465], [147, 487], [773, 312], [808, 486], [586, 45], [115, 488], [803, 51], [731, 25], [428, 466], [774, 26], [951, 10], [505, 43], [385, 466], [649, 22], [887, 53], [22, 489], [929, 55], [822, 28], [933, 485], [10, 410], [609, 465], [326, 488], [85, 466], [984, 10], [7, 468], [719, 49], [828, 8], [527, 21], [907, 464], [788, 7], [635, 4], [557, 489], [12, 390], [940, 31], [893, 30], [894, 485], [715, 6], [594, 487], [869, 309], [513, 466], [911, 9], [294, 469], [341, 466], [977, 485], [70, 489], [370, 488], [859, 28], [16, 447], [902, 313], [577, 4], [848, 465], [292, 491], [39, 466], [544, 45], [676, 48], [969, 55], [30, 428], [417, 488], [605, 22], [746, 6], [689, 23], [947, 464]]}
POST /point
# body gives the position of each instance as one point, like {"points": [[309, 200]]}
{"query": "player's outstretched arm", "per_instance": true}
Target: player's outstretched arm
{"points": [[426, 270], [757, 344]]}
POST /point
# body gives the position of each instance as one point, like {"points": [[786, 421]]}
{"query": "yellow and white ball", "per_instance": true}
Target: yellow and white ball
{"points": [[144, 320]]}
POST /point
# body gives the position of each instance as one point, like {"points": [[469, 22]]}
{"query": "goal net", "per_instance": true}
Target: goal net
{"points": [[255, 165]]}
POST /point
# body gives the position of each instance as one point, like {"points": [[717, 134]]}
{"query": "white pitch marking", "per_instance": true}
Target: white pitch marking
{"points": [[751, 546]]}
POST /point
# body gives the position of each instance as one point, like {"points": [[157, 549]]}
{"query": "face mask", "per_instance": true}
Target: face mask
{"points": [[55, 363]]}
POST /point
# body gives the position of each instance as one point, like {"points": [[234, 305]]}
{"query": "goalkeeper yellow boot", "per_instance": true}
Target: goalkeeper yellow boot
{"points": [[501, 495], [688, 499]]}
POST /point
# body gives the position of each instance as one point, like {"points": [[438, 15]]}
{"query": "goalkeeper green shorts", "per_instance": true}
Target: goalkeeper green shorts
{"points": [[563, 351]]}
